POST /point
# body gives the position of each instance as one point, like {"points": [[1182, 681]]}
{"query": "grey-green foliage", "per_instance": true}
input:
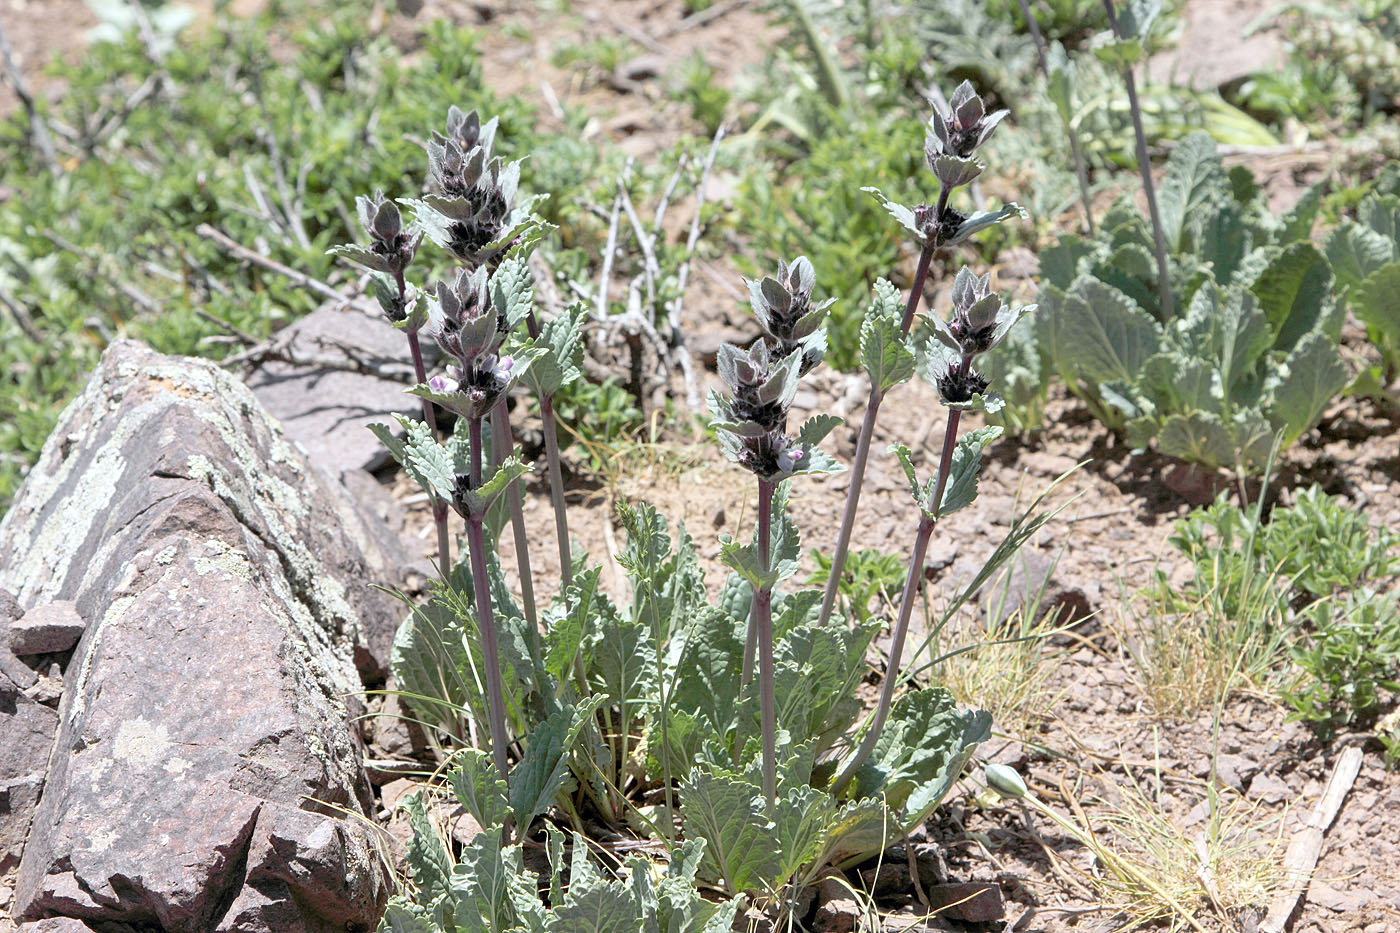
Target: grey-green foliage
{"points": [[1252, 349], [1365, 257], [488, 889], [921, 752], [665, 667]]}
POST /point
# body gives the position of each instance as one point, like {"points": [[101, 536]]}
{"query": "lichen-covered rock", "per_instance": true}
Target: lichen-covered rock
{"points": [[206, 774], [27, 729]]}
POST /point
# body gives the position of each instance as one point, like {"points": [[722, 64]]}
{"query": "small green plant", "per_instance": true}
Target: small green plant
{"points": [[1303, 582], [1225, 628], [871, 574], [1350, 661], [1341, 68], [1324, 547], [695, 84]]}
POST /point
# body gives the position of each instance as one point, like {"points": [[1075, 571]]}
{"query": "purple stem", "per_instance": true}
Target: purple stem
{"points": [[556, 491], [503, 444], [761, 627], [1159, 239], [867, 431], [906, 606], [481, 586]]}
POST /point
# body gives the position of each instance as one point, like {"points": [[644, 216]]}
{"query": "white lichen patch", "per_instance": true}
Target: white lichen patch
{"points": [[166, 554], [75, 697], [176, 767], [101, 842], [221, 557], [141, 744]]}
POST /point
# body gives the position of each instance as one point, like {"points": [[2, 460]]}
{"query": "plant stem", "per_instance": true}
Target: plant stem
{"points": [[430, 419], [761, 626], [556, 491], [867, 431], [481, 587], [1159, 238], [1070, 131], [502, 443], [906, 605]]}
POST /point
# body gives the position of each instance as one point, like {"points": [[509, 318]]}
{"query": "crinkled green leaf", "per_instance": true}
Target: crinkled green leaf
{"points": [[1381, 213], [622, 661], [1098, 333], [1199, 436], [512, 290], [861, 828], [1313, 375], [883, 353], [562, 337], [1377, 305], [1294, 293], [479, 788], [707, 683], [925, 743], [729, 813], [538, 777], [429, 862], [361, 256], [494, 482], [981, 220], [961, 488], [898, 211], [1297, 222], [1355, 251], [1194, 178], [430, 464], [481, 883]]}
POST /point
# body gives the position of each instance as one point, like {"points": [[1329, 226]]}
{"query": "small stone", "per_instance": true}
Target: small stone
{"points": [[970, 902], [838, 911], [53, 627], [1235, 770], [718, 518], [1324, 895]]}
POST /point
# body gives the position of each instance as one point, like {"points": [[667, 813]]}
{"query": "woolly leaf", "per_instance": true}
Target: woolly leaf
{"points": [[883, 352], [479, 788]]}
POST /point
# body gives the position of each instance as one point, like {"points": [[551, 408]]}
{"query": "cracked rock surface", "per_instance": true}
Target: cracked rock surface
{"points": [[205, 774]]}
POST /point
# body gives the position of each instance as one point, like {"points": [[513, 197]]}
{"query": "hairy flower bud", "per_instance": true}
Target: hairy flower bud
{"points": [[463, 320], [761, 387], [938, 230], [1005, 781], [959, 132], [784, 308], [476, 190]]}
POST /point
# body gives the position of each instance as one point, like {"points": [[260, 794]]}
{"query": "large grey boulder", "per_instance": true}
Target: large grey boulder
{"points": [[206, 773]]}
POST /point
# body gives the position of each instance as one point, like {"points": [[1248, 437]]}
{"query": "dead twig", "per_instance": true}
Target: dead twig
{"points": [[21, 316], [1301, 859], [682, 354], [38, 129], [700, 18], [296, 276]]}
